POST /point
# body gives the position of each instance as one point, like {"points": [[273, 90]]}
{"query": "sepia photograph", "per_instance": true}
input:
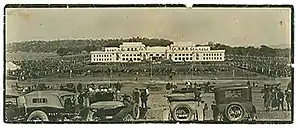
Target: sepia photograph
{"points": [[156, 64]]}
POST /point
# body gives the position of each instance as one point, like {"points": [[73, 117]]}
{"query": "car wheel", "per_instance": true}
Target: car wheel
{"points": [[235, 112], [136, 111], [182, 112], [38, 116], [128, 117]]}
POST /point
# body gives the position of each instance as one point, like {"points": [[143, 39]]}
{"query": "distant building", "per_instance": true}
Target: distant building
{"points": [[177, 52]]}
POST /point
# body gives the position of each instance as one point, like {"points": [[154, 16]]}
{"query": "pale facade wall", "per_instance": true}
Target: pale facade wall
{"points": [[177, 52]]}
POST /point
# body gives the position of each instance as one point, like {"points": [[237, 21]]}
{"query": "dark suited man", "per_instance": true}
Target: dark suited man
{"points": [[288, 99], [280, 99]]}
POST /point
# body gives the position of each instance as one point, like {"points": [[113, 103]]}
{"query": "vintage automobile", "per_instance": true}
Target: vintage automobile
{"points": [[51, 105], [55, 106], [71, 87], [183, 106], [234, 103], [153, 87], [14, 110], [114, 111], [16, 87]]}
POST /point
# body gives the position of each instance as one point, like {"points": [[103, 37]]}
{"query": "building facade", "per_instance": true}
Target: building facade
{"points": [[176, 52]]}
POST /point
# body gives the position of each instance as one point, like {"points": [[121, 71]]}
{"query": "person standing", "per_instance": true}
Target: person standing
{"points": [[215, 110], [280, 99], [136, 96], [205, 108], [288, 99], [267, 99], [144, 98], [197, 95]]}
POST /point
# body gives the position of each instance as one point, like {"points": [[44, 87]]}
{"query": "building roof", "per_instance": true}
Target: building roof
{"points": [[11, 66], [132, 44], [156, 49], [183, 44]]}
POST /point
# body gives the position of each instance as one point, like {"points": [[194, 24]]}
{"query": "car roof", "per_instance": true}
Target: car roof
{"points": [[52, 92], [233, 86]]}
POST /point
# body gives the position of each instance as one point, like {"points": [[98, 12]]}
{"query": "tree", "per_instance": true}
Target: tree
{"points": [[62, 51]]}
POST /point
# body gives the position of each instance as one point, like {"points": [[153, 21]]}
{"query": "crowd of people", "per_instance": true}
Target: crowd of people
{"points": [[274, 98], [270, 66]]}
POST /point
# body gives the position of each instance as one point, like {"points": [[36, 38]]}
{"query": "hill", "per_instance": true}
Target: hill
{"points": [[64, 47]]}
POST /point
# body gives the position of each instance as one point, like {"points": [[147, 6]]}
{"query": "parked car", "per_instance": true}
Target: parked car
{"points": [[235, 103], [55, 106], [51, 105], [183, 107], [14, 110], [114, 111]]}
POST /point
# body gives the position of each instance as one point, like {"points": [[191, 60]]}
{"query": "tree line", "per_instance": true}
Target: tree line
{"points": [[65, 47]]}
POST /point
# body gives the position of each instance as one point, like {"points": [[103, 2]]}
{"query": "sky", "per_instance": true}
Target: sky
{"points": [[236, 27]]}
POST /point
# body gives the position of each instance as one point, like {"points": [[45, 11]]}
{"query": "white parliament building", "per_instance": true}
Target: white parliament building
{"points": [[176, 52]]}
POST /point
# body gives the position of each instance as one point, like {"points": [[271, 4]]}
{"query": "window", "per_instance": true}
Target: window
{"points": [[130, 55], [157, 54], [206, 58], [175, 58], [134, 59], [128, 49], [217, 58], [198, 58], [233, 93], [134, 54], [130, 59], [186, 58], [186, 48], [94, 59], [191, 54], [39, 100], [151, 54], [126, 58], [123, 59], [179, 58], [179, 54], [191, 58], [94, 55], [217, 54], [131, 49], [220, 54], [214, 58], [170, 55], [135, 49], [175, 54], [123, 54], [138, 54], [162, 54], [138, 59], [220, 58], [203, 54], [203, 58]]}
